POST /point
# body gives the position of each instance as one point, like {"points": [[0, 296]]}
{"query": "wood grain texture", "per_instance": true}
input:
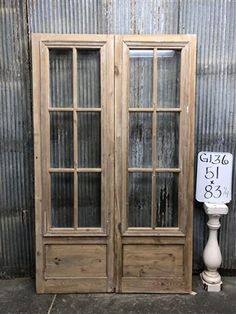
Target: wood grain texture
{"points": [[37, 163], [152, 260], [89, 252], [142, 255], [108, 157], [75, 138], [76, 285], [75, 261], [114, 256], [119, 171], [153, 285], [154, 139]]}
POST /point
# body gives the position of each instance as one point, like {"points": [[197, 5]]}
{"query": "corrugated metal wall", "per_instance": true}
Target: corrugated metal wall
{"points": [[214, 23], [16, 144]]}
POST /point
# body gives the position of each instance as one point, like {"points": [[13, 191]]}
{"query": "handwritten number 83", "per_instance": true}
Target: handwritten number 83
{"points": [[210, 192]]}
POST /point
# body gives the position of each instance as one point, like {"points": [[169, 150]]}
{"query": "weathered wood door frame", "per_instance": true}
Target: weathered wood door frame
{"points": [[96, 274], [171, 240], [111, 242]]}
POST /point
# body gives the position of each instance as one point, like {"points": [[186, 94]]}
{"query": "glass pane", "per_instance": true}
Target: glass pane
{"points": [[141, 71], [140, 139], [88, 65], [62, 188], [61, 139], [60, 63], [89, 139], [168, 74], [167, 199], [167, 140], [89, 199], [140, 197]]}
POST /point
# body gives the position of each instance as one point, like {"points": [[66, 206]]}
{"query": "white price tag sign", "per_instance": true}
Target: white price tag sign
{"points": [[214, 177]]}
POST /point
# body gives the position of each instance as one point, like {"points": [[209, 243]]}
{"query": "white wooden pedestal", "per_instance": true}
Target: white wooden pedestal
{"points": [[211, 255]]}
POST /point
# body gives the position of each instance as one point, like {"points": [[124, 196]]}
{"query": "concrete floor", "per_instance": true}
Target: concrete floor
{"points": [[18, 296]]}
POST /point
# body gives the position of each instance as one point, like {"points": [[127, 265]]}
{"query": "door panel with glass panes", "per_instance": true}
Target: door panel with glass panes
{"points": [[154, 96], [113, 126], [74, 162]]}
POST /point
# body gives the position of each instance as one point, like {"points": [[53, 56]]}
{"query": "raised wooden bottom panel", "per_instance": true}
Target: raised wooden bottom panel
{"points": [[74, 268], [152, 260], [152, 268], [75, 261]]}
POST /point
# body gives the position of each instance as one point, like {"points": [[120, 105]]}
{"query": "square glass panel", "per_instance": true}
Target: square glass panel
{"points": [[140, 80], [140, 198], [62, 190], [168, 82], [61, 139], [89, 139], [89, 185], [167, 199], [60, 71], [140, 139], [88, 73], [167, 140]]}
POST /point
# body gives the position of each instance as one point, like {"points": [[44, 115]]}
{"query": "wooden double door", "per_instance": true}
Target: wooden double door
{"points": [[114, 139]]}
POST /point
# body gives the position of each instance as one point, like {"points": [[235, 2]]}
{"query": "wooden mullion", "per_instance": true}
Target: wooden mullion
{"points": [[75, 169], [60, 109], [88, 169], [141, 109], [155, 109], [168, 109], [89, 109], [168, 170], [154, 130], [75, 137], [129, 169], [61, 170], [156, 170], [140, 169]]}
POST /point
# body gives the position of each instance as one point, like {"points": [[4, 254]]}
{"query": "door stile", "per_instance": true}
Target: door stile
{"points": [[103, 70], [118, 163], [109, 159], [125, 131], [39, 267], [188, 164], [46, 199]]}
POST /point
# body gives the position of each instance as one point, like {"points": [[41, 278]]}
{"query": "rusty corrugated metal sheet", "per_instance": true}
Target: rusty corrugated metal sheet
{"points": [[16, 150], [214, 23]]}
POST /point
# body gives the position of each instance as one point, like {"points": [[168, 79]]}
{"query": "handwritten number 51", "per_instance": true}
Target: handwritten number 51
{"points": [[210, 174]]}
